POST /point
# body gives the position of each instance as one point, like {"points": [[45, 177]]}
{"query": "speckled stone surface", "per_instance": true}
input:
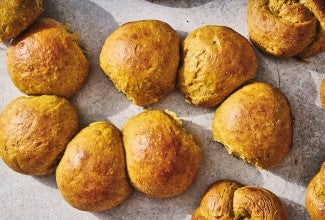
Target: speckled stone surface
{"points": [[26, 197]]}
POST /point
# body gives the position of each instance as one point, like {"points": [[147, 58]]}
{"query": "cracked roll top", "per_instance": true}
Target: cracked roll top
{"points": [[46, 60], [315, 195], [92, 173], [216, 60], [162, 158], [16, 16], [255, 124], [141, 58], [287, 28], [34, 132], [227, 199]]}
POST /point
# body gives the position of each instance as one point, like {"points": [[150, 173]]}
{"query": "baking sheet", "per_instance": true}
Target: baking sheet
{"points": [[26, 197]]}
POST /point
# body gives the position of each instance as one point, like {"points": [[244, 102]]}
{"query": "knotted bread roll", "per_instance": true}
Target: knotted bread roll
{"points": [[227, 199], [315, 195], [287, 28]]}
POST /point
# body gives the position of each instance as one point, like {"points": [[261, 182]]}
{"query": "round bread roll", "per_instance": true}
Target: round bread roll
{"points": [[47, 60], [227, 199], [216, 61], [141, 58], [162, 158], [287, 28], [322, 94], [92, 174], [255, 124], [34, 132], [315, 196], [16, 16]]}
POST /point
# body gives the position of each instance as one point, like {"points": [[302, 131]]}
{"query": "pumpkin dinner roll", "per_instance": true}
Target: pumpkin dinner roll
{"points": [[46, 60], [34, 132], [92, 173], [16, 16], [255, 124], [162, 158], [287, 28], [228, 199], [216, 60], [141, 58], [315, 195], [322, 94]]}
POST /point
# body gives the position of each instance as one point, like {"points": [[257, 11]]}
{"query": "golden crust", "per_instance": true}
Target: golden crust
{"points": [[255, 124], [141, 58], [287, 28], [315, 195], [322, 94], [92, 174], [216, 61], [16, 16], [34, 132], [227, 200], [162, 159], [47, 60]]}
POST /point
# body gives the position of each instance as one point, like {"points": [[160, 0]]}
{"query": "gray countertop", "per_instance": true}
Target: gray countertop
{"points": [[27, 197]]}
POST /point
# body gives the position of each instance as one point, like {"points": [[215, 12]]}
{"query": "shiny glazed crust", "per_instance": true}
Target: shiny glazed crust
{"points": [[34, 132], [16, 16], [322, 94], [92, 174], [315, 195], [162, 159], [255, 124], [215, 61], [287, 28], [141, 58], [228, 200], [47, 60]]}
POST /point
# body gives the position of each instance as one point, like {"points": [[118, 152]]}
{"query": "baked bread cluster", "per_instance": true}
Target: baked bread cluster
{"points": [[228, 199], [47, 60], [34, 132], [255, 124], [141, 58], [315, 195], [16, 16], [216, 60], [287, 28], [162, 158]]}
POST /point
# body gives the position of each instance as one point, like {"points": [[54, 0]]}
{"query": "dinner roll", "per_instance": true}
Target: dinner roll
{"points": [[255, 124], [228, 199], [92, 173], [315, 196], [47, 60], [141, 58], [215, 61], [16, 16], [162, 158], [34, 132], [287, 28]]}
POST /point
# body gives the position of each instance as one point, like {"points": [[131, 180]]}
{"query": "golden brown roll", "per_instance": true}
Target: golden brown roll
{"points": [[255, 124], [162, 158], [215, 61], [315, 195], [227, 199], [92, 173], [34, 132], [322, 94], [47, 60], [16, 16], [287, 28], [141, 58]]}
